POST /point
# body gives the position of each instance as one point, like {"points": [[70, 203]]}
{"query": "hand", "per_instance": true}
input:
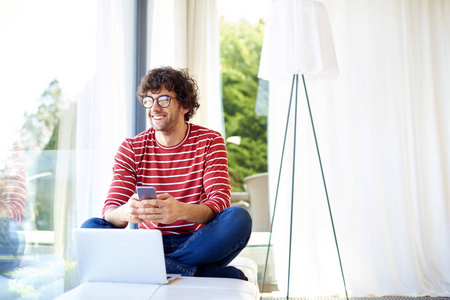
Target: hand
{"points": [[129, 211], [165, 209]]}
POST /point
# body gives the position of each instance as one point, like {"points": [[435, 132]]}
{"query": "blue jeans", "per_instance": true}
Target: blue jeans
{"points": [[215, 245], [12, 245]]}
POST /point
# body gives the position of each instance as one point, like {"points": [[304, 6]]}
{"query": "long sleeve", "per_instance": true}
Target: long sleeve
{"points": [[123, 183], [216, 181]]}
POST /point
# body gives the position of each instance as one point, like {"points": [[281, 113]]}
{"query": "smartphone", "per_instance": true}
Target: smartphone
{"points": [[146, 192]]}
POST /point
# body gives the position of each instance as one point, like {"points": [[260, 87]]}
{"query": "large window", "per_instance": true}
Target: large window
{"points": [[68, 84], [68, 73]]}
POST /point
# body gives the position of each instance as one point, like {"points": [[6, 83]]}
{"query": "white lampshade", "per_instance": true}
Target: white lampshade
{"points": [[297, 40]]}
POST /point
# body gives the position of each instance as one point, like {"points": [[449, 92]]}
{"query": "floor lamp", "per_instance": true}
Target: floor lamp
{"points": [[298, 41]]}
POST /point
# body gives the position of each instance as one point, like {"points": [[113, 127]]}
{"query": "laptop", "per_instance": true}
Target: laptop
{"points": [[121, 255]]}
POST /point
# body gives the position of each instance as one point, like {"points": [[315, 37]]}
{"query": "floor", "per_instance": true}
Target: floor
{"points": [[358, 298]]}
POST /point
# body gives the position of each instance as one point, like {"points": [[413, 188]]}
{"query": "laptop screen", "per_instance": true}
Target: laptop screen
{"points": [[120, 255]]}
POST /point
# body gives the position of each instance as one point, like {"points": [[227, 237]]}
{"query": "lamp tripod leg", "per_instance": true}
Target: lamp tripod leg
{"points": [[292, 186], [278, 186], [295, 81], [325, 186]]}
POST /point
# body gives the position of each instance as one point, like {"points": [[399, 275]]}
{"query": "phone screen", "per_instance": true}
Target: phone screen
{"points": [[146, 192]]}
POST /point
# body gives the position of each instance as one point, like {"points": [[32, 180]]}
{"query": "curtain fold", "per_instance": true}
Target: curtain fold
{"points": [[190, 39], [94, 125], [383, 131], [103, 109]]}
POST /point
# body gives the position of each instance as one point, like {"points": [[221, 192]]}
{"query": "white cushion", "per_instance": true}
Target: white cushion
{"points": [[247, 266], [195, 288]]}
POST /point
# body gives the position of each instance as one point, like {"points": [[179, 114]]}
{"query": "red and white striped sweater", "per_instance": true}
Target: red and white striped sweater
{"points": [[194, 171], [12, 186]]}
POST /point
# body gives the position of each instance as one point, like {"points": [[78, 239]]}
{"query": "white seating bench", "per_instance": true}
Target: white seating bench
{"points": [[186, 288]]}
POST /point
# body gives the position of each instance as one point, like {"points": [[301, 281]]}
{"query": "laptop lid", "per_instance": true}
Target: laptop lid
{"points": [[120, 255]]}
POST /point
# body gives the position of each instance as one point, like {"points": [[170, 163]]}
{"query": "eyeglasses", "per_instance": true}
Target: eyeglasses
{"points": [[163, 101]]}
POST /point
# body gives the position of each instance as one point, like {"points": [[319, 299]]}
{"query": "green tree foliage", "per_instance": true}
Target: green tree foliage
{"points": [[39, 137], [240, 44], [39, 131]]}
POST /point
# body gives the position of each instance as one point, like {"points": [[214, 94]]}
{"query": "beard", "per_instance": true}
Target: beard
{"points": [[170, 123]]}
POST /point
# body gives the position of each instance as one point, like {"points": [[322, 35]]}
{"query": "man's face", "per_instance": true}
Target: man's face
{"points": [[166, 119]]}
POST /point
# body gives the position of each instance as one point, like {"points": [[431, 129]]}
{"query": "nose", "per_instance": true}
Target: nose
{"points": [[155, 107]]}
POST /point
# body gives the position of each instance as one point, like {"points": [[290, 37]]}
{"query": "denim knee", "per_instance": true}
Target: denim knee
{"points": [[97, 223], [240, 218]]}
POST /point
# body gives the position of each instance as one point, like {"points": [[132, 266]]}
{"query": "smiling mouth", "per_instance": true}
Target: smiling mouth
{"points": [[158, 117]]}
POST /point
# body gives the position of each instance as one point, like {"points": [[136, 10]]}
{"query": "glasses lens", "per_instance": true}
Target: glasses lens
{"points": [[147, 102], [164, 101]]}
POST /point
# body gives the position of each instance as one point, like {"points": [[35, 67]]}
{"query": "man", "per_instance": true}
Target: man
{"points": [[187, 164], [13, 196]]}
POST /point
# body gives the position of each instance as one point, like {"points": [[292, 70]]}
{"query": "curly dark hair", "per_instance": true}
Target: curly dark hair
{"points": [[178, 81]]}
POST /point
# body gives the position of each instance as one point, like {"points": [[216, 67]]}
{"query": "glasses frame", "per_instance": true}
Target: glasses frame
{"points": [[157, 101]]}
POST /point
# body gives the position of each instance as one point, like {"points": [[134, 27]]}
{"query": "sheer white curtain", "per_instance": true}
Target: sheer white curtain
{"points": [[384, 133], [185, 34], [104, 109], [98, 120]]}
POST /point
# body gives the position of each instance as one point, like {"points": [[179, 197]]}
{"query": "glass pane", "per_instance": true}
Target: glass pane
{"points": [[245, 102], [244, 95], [57, 80]]}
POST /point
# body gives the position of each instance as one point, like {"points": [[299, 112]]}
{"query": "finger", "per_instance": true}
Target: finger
{"points": [[164, 196], [134, 202], [135, 219], [152, 218], [154, 210], [135, 197], [152, 203]]}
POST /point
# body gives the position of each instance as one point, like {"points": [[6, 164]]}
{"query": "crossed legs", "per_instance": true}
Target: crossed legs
{"points": [[208, 251]]}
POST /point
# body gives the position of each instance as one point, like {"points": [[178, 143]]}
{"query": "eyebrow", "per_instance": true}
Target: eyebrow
{"points": [[162, 95]]}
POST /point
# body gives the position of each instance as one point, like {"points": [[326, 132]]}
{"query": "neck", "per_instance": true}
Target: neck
{"points": [[172, 138]]}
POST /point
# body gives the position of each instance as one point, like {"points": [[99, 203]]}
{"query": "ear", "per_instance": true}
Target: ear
{"points": [[185, 110]]}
